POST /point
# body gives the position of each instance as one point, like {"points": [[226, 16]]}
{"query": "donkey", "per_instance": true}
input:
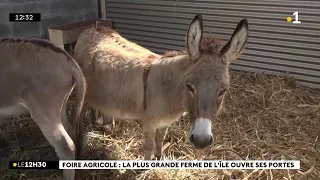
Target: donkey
{"points": [[127, 81], [37, 77]]}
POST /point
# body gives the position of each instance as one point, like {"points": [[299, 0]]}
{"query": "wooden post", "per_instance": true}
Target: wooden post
{"points": [[56, 37], [103, 9]]}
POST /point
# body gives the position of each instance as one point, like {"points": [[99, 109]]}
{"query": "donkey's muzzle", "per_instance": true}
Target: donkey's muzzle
{"points": [[200, 142], [201, 135]]}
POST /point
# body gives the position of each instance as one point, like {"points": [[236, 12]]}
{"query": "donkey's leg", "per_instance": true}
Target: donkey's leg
{"points": [[64, 111], [58, 137], [46, 112], [159, 137], [149, 132], [64, 116], [62, 143]]}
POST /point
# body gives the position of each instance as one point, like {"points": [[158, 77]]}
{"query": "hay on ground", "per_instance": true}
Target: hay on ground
{"points": [[263, 118]]}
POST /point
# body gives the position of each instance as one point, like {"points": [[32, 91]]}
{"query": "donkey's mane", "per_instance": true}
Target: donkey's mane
{"points": [[175, 53], [209, 44], [104, 29]]}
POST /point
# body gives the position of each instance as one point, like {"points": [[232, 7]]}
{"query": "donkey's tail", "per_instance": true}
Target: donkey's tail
{"points": [[80, 87]]}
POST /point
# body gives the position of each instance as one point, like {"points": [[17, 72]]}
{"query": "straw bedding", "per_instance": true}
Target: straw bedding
{"points": [[263, 118]]}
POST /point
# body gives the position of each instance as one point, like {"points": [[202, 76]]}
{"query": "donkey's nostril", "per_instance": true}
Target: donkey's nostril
{"points": [[201, 142], [211, 140], [192, 138]]}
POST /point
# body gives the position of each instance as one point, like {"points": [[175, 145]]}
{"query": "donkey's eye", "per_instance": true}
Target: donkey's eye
{"points": [[191, 89], [222, 92]]}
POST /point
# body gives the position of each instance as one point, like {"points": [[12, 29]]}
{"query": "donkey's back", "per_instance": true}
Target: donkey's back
{"points": [[28, 66], [113, 67], [115, 51]]}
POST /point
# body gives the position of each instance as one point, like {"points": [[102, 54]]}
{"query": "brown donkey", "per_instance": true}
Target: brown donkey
{"points": [[127, 81], [37, 77]]}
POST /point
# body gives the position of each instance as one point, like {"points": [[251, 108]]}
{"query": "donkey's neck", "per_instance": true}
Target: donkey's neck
{"points": [[166, 85]]}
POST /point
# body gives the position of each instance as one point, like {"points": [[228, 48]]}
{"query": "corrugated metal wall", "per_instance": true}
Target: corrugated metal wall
{"points": [[274, 45]]}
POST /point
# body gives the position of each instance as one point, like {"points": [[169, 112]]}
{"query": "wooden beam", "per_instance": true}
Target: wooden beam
{"points": [[69, 33], [65, 27]]}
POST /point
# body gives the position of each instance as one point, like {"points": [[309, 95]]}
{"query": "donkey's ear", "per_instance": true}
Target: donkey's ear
{"points": [[194, 36], [233, 49]]}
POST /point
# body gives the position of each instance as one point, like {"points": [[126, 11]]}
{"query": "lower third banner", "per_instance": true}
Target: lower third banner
{"points": [[165, 164]]}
